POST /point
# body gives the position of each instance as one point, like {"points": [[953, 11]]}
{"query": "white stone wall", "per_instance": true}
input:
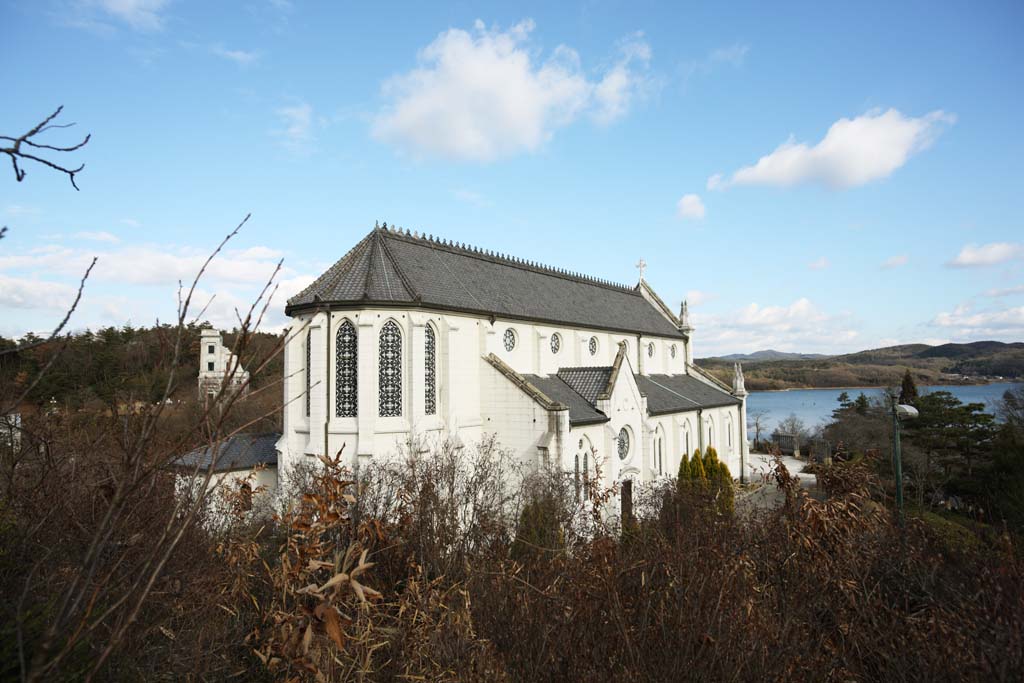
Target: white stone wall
{"points": [[474, 399], [215, 361]]}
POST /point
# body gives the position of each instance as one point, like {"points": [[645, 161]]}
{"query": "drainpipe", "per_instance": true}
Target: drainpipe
{"points": [[327, 378], [700, 430]]}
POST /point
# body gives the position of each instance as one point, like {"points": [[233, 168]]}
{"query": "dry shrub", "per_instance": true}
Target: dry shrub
{"points": [[816, 590]]}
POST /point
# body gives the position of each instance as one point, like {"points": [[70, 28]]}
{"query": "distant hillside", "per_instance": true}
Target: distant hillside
{"points": [[771, 354], [970, 363]]}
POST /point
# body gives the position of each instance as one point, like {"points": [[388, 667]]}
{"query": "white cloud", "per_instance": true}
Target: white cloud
{"points": [[485, 95], [99, 236], [895, 262], [853, 152], [624, 82], [731, 55], [143, 15], [33, 293], [146, 265], [1007, 291], [16, 210], [964, 323], [470, 197], [973, 255], [696, 297], [240, 57], [690, 206], [297, 134], [798, 326], [820, 264]]}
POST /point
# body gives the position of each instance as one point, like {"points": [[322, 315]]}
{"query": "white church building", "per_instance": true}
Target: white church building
{"points": [[409, 337]]}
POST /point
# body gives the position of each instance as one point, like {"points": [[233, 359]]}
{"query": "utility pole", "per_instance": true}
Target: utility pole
{"points": [[907, 413]]}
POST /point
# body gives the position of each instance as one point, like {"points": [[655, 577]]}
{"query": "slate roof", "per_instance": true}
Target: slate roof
{"points": [[391, 267], [580, 411], [240, 452], [676, 393], [587, 382]]}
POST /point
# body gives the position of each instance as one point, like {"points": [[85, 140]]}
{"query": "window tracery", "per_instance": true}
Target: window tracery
{"points": [[430, 372], [510, 339], [390, 374], [346, 379]]}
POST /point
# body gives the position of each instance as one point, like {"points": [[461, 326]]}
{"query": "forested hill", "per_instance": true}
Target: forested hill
{"points": [[972, 362], [118, 365]]}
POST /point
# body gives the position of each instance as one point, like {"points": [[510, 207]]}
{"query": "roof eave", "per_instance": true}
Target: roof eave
{"points": [[292, 309]]}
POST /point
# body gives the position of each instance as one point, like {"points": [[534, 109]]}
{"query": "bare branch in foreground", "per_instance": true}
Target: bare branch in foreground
{"points": [[16, 151]]}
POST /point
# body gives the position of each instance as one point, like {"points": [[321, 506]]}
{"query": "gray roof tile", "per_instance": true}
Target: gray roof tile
{"points": [[394, 267], [580, 411], [677, 393], [587, 382], [239, 452]]}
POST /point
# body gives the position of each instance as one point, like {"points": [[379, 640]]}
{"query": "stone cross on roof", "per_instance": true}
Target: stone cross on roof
{"points": [[641, 264]]}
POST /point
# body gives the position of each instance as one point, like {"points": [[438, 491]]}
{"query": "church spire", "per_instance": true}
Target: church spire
{"points": [[684, 319], [739, 387]]}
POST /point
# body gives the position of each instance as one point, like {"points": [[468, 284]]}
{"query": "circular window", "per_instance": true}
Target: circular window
{"points": [[650, 350], [593, 346], [556, 343], [510, 339], [623, 444], [672, 351]]}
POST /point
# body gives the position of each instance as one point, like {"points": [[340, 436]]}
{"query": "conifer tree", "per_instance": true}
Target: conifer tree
{"points": [[908, 389], [697, 471], [683, 478]]}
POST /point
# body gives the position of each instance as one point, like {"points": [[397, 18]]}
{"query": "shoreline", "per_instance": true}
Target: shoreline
{"points": [[884, 386]]}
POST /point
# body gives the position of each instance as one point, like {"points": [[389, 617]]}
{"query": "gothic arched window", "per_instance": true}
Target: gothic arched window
{"points": [[650, 349], [429, 372], [390, 375], [346, 380], [623, 444], [576, 478], [509, 339], [592, 345], [672, 350], [309, 357], [556, 342]]}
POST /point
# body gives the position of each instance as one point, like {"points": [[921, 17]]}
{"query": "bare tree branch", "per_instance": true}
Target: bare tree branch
{"points": [[15, 151]]}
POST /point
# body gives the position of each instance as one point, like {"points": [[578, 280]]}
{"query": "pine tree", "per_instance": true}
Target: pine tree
{"points": [[697, 472], [726, 495], [710, 460], [908, 389], [684, 476]]}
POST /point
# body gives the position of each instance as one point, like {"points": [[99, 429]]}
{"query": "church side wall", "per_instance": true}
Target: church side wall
{"points": [[519, 422], [466, 404]]}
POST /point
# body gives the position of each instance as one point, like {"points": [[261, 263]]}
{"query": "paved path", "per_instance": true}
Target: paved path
{"points": [[768, 495]]}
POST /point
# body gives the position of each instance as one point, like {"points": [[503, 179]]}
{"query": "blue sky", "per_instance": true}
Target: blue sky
{"points": [[812, 178]]}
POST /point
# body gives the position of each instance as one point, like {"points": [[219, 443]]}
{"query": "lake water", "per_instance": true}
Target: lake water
{"points": [[815, 406]]}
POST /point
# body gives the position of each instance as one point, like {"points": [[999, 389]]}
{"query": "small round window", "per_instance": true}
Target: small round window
{"points": [[650, 350], [623, 444], [672, 351], [593, 346], [556, 342], [510, 339]]}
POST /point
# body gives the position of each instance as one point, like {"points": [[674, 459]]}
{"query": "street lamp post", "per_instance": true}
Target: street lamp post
{"points": [[899, 412]]}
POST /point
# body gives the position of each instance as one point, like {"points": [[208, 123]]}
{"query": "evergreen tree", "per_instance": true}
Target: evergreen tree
{"points": [[683, 478], [697, 472], [908, 389]]}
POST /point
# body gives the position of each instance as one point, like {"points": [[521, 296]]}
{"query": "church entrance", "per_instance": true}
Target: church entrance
{"points": [[627, 502]]}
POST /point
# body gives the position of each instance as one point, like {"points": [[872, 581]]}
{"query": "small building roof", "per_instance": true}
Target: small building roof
{"points": [[390, 267], [239, 452], [580, 411], [679, 393], [588, 382]]}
